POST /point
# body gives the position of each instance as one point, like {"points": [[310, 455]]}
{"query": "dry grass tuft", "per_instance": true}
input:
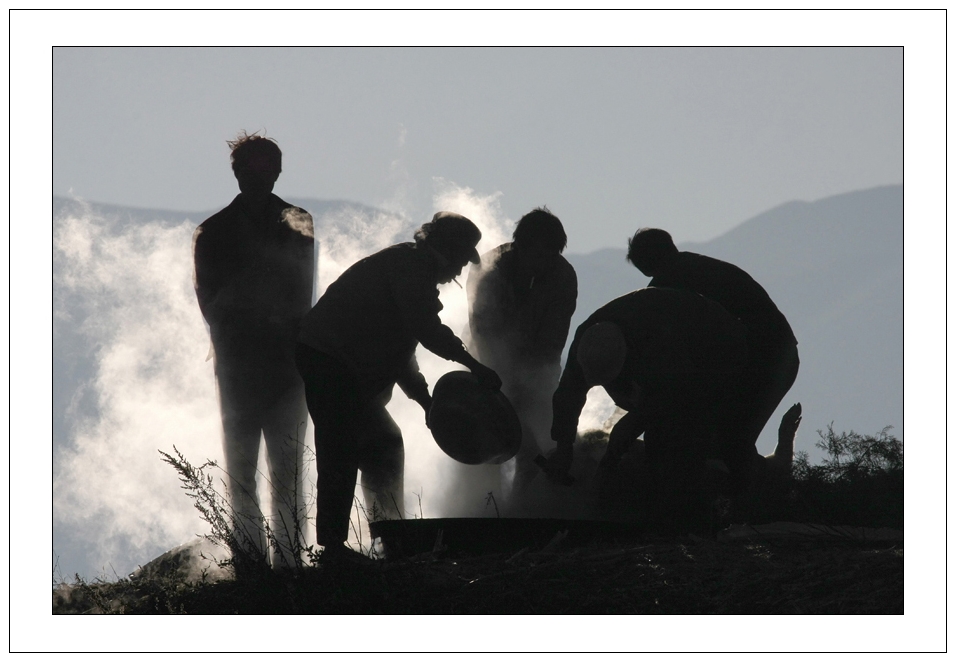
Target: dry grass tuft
{"points": [[784, 568]]}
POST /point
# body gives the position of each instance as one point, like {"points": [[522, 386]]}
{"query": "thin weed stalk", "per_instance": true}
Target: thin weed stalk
{"points": [[237, 532]]}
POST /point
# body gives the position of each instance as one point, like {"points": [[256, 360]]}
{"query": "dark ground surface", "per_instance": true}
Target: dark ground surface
{"points": [[826, 540], [686, 575]]}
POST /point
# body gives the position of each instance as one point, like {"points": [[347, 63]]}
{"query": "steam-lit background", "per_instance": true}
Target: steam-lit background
{"points": [[132, 375], [696, 141], [692, 140]]}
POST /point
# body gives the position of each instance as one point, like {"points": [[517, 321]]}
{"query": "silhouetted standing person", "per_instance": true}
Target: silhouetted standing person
{"points": [[521, 299], [772, 362], [356, 343], [254, 275]]}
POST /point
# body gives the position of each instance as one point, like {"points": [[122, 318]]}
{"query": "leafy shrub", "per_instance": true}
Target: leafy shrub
{"points": [[858, 483], [852, 457]]}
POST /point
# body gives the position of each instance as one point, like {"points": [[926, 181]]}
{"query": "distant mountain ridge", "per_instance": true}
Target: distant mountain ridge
{"points": [[316, 207]]}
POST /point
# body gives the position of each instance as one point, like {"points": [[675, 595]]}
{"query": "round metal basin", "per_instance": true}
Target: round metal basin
{"points": [[472, 423]]}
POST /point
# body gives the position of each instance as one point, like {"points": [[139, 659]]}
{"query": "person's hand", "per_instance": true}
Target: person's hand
{"points": [[558, 464], [789, 423], [561, 458], [486, 376], [617, 447], [611, 459], [622, 438], [426, 403]]}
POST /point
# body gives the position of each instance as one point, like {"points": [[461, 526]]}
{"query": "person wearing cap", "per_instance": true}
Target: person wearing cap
{"points": [[356, 343], [665, 357], [521, 298], [253, 279], [772, 357]]}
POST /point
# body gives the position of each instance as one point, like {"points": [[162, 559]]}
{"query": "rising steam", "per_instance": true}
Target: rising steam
{"points": [[124, 292], [123, 296]]}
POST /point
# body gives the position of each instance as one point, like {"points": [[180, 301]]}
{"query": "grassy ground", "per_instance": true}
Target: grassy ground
{"points": [[687, 575], [753, 567]]}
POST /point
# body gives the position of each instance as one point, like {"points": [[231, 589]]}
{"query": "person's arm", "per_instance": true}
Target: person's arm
{"points": [[622, 437], [568, 399], [303, 256], [567, 403], [418, 302], [208, 275], [482, 373], [556, 321], [415, 386], [489, 303]]}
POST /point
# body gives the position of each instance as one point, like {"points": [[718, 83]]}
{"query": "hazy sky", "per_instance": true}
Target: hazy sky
{"points": [[693, 140]]}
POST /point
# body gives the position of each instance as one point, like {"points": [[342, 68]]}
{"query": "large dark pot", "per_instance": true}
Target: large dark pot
{"points": [[472, 423]]}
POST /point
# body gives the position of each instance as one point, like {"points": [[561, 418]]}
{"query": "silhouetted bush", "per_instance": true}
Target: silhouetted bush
{"points": [[858, 483], [851, 457]]}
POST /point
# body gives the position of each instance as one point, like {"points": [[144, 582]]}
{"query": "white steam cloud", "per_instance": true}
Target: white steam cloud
{"points": [[125, 293]]}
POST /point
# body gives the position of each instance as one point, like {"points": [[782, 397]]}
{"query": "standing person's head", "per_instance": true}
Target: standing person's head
{"points": [[256, 163], [538, 239], [453, 238], [650, 249]]}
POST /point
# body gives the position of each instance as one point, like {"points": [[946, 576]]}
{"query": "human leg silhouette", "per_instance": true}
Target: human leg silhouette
{"points": [[284, 431], [332, 396], [242, 432], [530, 391], [382, 462], [764, 385], [770, 387]]}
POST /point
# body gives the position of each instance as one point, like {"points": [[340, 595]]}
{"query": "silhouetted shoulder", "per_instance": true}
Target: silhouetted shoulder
{"points": [[636, 305], [491, 259], [715, 279], [490, 262], [731, 287], [565, 272], [213, 234], [372, 282], [296, 218], [220, 218], [703, 266]]}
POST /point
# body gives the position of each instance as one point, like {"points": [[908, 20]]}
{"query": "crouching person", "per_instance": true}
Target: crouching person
{"points": [[772, 357], [355, 344], [668, 358]]}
